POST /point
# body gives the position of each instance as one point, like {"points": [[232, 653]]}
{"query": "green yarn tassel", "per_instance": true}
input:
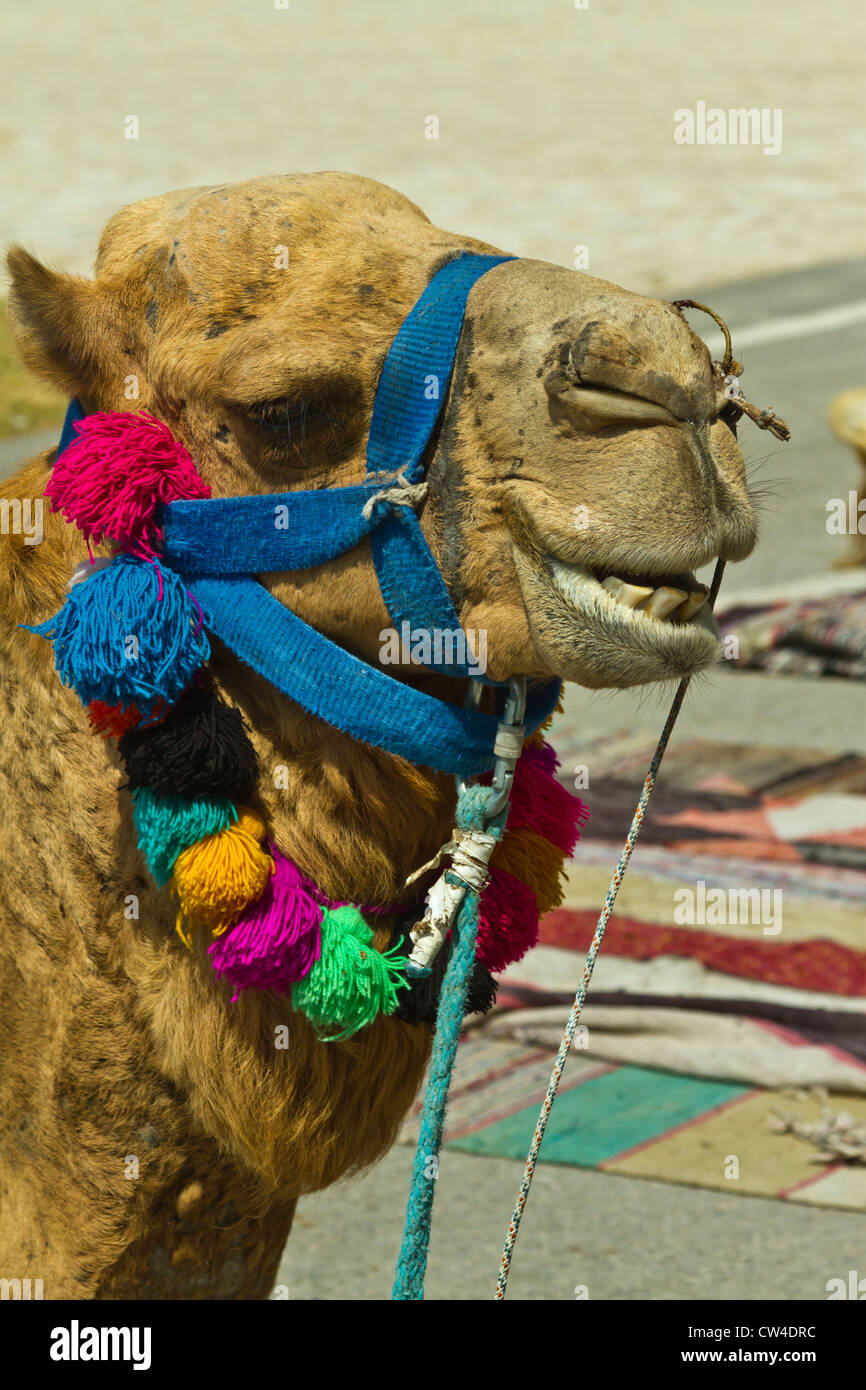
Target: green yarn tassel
{"points": [[351, 982], [167, 825]]}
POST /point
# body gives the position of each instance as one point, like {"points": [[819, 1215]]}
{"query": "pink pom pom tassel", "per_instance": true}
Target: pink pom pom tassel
{"points": [[542, 804], [277, 940], [114, 477], [507, 921], [543, 755]]}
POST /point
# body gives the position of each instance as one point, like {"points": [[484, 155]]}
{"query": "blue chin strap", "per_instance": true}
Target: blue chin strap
{"points": [[219, 545]]}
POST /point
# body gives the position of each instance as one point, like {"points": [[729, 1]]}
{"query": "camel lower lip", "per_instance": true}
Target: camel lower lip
{"points": [[587, 634]]}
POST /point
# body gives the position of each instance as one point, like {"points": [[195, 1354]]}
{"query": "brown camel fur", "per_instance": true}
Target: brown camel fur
{"points": [[570, 396]]}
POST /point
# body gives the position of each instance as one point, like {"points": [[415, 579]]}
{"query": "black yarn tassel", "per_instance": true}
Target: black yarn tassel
{"points": [[481, 995], [200, 749], [418, 1003]]}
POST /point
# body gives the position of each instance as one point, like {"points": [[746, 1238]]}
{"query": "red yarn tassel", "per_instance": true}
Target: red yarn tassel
{"points": [[507, 921], [540, 803], [112, 721]]}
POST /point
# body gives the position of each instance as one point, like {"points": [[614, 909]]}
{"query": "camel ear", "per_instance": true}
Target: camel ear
{"points": [[62, 323]]}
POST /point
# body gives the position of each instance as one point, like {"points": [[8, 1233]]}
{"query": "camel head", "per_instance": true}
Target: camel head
{"points": [[584, 466]]}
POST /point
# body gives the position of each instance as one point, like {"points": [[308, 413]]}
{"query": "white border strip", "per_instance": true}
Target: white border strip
{"points": [[791, 326]]}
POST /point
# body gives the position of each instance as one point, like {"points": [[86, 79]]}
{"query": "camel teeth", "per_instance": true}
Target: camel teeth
{"points": [[663, 601], [687, 610], [630, 595]]}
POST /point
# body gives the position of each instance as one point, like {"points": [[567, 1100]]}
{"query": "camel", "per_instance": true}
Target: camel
{"points": [[155, 1140]]}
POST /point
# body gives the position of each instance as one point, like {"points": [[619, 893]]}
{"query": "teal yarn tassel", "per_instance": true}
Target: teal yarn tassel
{"points": [[167, 825], [412, 1261], [129, 634]]}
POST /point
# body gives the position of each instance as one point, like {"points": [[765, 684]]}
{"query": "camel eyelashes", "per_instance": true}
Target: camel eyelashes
{"points": [[278, 415], [628, 399], [292, 419]]}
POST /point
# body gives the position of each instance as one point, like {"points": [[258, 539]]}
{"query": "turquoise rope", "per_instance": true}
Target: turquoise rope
{"points": [[412, 1261]]}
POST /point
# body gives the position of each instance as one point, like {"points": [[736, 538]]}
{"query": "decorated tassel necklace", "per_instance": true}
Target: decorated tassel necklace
{"points": [[131, 640]]}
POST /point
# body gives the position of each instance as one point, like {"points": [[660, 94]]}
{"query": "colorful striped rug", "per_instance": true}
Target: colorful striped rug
{"points": [[693, 1030], [641, 1122], [726, 818], [817, 628]]}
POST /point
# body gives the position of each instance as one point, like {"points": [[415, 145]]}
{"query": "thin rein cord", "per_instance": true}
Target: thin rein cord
{"points": [[589, 965], [729, 369]]}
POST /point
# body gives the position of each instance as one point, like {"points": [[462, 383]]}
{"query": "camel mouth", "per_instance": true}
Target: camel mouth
{"points": [[641, 598], [605, 628]]}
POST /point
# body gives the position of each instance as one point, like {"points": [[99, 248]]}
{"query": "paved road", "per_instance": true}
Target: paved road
{"points": [[624, 1238], [556, 124]]}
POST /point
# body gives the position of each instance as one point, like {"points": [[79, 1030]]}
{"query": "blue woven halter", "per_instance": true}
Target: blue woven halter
{"points": [[217, 546]]}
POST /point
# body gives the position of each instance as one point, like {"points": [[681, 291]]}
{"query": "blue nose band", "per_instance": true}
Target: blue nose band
{"points": [[220, 545]]}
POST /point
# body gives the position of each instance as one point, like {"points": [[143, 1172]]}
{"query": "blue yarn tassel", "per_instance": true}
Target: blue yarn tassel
{"points": [[412, 1262], [117, 640]]}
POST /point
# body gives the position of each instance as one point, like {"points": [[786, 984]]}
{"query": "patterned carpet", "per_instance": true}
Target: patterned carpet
{"points": [[820, 631], [694, 1031]]}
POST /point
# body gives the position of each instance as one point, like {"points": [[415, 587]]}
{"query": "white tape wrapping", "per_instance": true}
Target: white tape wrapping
{"points": [[470, 856]]}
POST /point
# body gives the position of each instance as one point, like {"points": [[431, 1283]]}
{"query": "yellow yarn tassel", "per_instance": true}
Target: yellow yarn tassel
{"points": [[536, 862], [216, 878]]}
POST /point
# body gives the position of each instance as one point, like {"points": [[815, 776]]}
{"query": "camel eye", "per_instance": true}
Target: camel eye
{"points": [[286, 416], [291, 423], [319, 421]]}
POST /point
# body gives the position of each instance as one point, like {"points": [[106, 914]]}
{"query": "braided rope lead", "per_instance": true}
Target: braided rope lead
{"points": [[589, 965], [472, 812]]}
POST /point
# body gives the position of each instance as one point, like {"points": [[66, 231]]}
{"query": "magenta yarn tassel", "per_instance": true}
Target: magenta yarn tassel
{"points": [[542, 804], [277, 940], [113, 478], [507, 921], [542, 755]]}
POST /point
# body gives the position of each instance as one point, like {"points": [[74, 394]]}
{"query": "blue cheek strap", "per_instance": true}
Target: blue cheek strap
{"points": [[217, 546]]}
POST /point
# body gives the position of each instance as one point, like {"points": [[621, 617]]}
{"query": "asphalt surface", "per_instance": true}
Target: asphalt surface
{"points": [[623, 1238], [555, 123]]}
